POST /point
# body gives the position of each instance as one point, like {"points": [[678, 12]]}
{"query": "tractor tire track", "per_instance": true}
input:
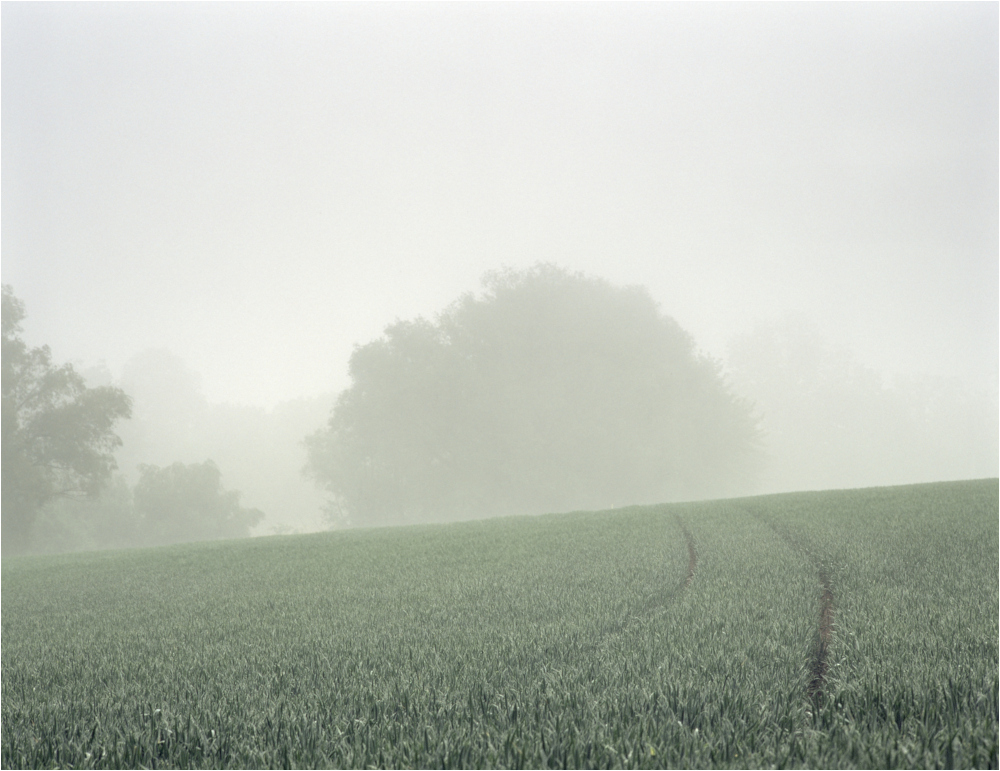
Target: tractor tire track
{"points": [[818, 665], [819, 662], [670, 593], [692, 553], [633, 612]]}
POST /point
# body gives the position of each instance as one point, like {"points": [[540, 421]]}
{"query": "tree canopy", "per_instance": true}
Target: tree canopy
{"points": [[549, 391], [58, 437]]}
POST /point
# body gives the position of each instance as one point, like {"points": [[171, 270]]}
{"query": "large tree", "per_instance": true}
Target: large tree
{"points": [[549, 391], [58, 437]]}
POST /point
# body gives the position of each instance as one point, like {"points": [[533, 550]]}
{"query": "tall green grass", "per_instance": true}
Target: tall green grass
{"points": [[565, 640]]}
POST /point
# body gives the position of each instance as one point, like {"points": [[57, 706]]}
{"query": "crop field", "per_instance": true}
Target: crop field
{"points": [[833, 629]]}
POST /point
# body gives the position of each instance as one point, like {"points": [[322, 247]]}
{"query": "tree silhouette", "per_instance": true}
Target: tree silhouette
{"points": [[57, 433], [550, 391]]}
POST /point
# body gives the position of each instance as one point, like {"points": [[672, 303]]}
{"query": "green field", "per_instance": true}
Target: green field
{"points": [[832, 629]]}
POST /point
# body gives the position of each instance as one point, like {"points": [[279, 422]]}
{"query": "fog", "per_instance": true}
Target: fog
{"points": [[211, 205]]}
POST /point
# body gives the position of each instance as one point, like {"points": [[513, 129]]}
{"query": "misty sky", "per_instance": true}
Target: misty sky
{"points": [[258, 187]]}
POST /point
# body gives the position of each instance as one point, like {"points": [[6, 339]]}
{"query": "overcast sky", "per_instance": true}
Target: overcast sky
{"points": [[260, 187]]}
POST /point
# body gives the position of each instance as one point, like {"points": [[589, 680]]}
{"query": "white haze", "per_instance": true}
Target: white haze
{"points": [[259, 187]]}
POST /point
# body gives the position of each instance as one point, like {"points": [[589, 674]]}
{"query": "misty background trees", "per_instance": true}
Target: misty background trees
{"points": [[60, 441], [548, 391], [188, 503], [173, 504], [259, 451], [58, 438], [551, 391], [831, 422]]}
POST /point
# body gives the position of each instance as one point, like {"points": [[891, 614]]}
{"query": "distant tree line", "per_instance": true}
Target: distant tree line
{"points": [[259, 450], [170, 504], [548, 391], [58, 458]]}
